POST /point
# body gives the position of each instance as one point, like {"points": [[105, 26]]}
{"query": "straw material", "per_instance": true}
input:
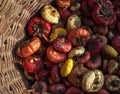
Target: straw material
{"points": [[14, 14]]}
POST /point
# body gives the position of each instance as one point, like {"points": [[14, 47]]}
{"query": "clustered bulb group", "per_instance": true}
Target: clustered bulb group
{"points": [[73, 47]]}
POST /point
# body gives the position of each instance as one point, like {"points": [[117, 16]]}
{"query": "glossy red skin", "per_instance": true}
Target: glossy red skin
{"points": [[102, 30], [62, 45], [95, 62], [94, 46], [43, 26], [73, 90], [29, 47], [57, 88], [65, 13], [84, 58], [55, 56], [42, 73], [102, 19], [86, 9], [55, 73], [79, 33], [116, 43], [32, 67]]}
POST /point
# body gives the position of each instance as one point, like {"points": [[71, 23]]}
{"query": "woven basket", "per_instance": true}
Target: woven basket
{"points": [[14, 15]]}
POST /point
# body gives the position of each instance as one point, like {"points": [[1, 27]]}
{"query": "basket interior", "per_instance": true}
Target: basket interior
{"points": [[14, 15]]}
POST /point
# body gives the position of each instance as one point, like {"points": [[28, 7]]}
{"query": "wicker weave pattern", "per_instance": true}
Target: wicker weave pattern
{"points": [[14, 15]]}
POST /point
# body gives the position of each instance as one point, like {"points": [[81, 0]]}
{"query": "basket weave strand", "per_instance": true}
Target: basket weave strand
{"points": [[14, 14]]}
